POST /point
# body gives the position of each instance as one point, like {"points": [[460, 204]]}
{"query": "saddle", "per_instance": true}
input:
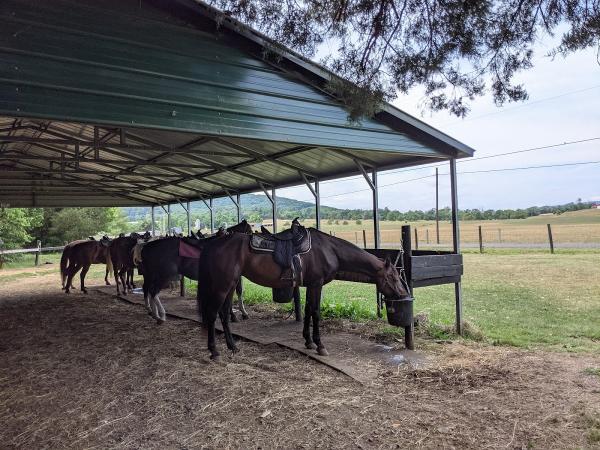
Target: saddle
{"points": [[286, 248]]}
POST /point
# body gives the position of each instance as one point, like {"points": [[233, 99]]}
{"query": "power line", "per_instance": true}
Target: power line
{"points": [[476, 158], [471, 172]]}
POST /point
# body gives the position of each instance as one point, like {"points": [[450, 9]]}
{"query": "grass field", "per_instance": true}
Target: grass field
{"points": [[525, 299], [582, 227]]}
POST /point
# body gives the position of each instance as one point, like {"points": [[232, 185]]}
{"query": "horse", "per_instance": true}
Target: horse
{"points": [[121, 254], [80, 255], [223, 261], [161, 261]]}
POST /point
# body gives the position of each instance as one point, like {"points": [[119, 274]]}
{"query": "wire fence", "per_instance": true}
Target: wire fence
{"points": [[484, 236]]}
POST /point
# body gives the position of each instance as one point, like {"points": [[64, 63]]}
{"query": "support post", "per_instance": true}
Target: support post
{"points": [[212, 216], [38, 253], [416, 239], [239, 207], [315, 192], [409, 331], [274, 197], [377, 234], [456, 242], [189, 220], [372, 181], [209, 205], [437, 206], [152, 219], [480, 240], [550, 238], [168, 218], [364, 239]]}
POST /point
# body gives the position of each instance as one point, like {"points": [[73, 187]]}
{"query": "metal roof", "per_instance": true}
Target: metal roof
{"points": [[131, 103]]}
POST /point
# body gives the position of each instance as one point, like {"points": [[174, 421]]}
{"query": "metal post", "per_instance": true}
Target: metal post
{"points": [[456, 242], [168, 218], [212, 216], [550, 239], [189, 223], [239, 207], [317, 206], [480, 240], [274, 201], [437, 206], [153, 226], [376, 232], [38, 253]]}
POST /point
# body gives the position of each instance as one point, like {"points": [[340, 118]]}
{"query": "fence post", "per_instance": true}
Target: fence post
{"points": [[364, 239], [38, 253], [356, 237], [416, 239], [480, 240], [427, 235], [550, 238], [499, 235]]}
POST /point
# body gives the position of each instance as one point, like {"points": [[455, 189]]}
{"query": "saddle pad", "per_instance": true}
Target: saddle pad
{"points": [[261, 243], [188, 251]]}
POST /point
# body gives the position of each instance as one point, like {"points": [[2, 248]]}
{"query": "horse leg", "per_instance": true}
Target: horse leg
{"points": [[116, 274], [313, 295], [297, 305], [82, 275], [162, 315], [239, 289], [122, 273], [209, 320], [223, 313], [130, 274], [146, 296], [308, 342], [106, 282], [72, 272]]}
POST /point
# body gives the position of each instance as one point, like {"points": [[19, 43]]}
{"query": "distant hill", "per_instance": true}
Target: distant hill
{"points": [[256, 208]]}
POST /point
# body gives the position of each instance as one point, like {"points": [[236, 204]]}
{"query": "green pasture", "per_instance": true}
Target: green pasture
{"points": [[525, 299]]}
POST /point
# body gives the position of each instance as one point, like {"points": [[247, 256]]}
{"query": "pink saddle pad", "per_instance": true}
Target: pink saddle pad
{"points": [[188, 251]]}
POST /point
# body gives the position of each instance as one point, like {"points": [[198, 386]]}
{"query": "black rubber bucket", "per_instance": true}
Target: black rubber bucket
{"points": [[283, 295], [399, 311]]}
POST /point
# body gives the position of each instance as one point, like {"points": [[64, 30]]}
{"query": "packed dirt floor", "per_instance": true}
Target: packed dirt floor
{"points": [[83, 371]]}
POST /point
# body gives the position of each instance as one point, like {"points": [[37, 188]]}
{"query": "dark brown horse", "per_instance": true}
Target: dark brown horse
{"points": [[223, 261], [162, 261], [121, 254], [80, 255]]}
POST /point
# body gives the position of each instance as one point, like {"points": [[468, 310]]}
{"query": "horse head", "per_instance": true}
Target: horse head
{"points": [[146, 236], [389, 282]]}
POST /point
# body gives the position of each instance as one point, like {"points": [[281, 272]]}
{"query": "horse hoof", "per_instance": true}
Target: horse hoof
{"points": [[84, 291], [215, 357], [160, 321], [245, 316], [234, 318], [322, 351], [234, 350], [310, 345]]}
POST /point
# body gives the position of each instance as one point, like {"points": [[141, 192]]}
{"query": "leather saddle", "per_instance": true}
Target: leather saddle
{"points": [[286, 248]]}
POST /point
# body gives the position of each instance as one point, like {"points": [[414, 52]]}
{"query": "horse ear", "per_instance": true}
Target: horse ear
{"points": [[388, 263]]}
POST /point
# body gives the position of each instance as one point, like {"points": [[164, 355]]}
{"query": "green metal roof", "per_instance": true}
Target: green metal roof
{"points": [[183, 108]]}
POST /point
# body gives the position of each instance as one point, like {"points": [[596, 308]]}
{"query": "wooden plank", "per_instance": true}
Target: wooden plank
{"points": [[425, 273], [436, 260], [436, 281]]}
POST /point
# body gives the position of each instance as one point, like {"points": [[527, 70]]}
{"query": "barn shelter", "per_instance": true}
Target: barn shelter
{"points": [[161, 102]]}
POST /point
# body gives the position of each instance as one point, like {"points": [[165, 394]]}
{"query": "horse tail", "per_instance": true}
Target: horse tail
{"points": [[109, 263], [64, 260]]}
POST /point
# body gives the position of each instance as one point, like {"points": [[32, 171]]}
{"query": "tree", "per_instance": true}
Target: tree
{"points": [[70, 224], [455, 50], [16, 225]]}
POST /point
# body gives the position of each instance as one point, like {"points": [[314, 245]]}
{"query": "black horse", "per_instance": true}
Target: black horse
{"points": [[224, 260], [165, 260]]}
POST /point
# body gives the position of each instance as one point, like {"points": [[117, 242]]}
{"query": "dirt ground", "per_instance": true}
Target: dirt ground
{"points": [[91, 371]]}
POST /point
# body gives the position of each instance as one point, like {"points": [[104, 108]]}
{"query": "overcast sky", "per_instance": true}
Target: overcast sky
{"points": [[563, 106]]}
